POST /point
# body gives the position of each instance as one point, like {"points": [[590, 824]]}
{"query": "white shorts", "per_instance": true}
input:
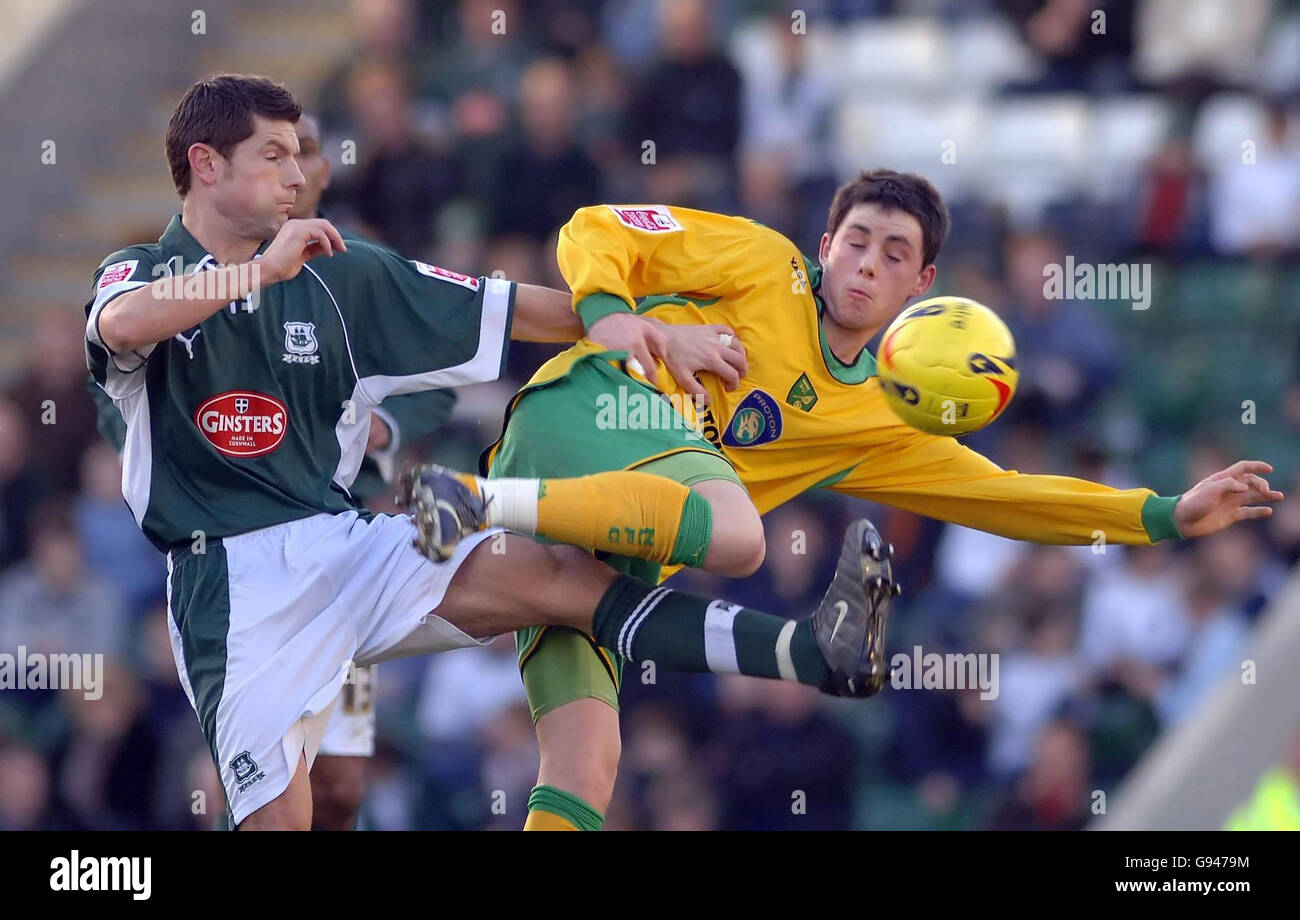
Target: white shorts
{"points": [[351, 729], [266, 626]]}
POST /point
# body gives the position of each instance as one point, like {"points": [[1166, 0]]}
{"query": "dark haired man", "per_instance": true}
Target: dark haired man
{"points": [[338, 775], [808, 414], [246, 351]]}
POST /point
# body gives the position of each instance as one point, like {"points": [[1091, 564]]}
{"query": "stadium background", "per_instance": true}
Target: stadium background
{"points": [[472, 147]]}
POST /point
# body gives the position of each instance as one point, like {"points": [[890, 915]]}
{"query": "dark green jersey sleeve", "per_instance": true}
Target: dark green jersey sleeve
{"points": [[412, 326], [123, 271]]}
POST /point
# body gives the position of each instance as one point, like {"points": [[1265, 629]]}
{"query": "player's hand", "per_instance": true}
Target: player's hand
{"points": [[642, 339], [296, 243], [380, 437], [1224, 498], [711, 349]]}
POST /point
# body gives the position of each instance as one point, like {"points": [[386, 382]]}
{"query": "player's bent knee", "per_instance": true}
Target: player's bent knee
{"points": [[738, 549], [737, 546], [752, 550]]}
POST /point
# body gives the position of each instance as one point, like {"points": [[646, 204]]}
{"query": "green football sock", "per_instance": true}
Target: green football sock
{"points": [[685, 632], [567, 806]]}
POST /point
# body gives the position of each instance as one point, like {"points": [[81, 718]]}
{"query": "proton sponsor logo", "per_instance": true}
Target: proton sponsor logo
{"points": [[242, 423], [756, 421]]}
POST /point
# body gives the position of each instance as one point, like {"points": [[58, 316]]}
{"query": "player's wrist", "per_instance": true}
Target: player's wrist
{"points": [[264, 274], [592, 308], [1160, 517]]}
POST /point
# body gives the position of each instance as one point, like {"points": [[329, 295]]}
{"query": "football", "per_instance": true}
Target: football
{"points": [[947, 365]]}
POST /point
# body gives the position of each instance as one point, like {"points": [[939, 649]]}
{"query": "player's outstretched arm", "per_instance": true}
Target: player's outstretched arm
{"points": [[543, 314], [942, 479], [156, 312], [1222, 499]]}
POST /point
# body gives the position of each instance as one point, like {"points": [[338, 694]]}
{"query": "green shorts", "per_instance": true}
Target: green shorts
{"points": [[576, 425]]}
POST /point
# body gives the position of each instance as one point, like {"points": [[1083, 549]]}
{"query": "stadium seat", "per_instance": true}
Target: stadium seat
{"points": [[1126, 132], [909, 133], [1225, 121], [892, 55], [1036, 149], [1040, 129], [987, 52]]}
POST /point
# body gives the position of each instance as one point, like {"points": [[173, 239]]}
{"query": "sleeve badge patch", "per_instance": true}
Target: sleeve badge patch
{"points": [[118, 271], [446, 274], [653, 218]]}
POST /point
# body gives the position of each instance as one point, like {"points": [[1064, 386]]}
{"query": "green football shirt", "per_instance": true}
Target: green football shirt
{"points": [[260, 414]]}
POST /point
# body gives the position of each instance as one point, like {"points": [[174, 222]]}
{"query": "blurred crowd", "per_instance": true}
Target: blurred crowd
{"points": [[466, 133]]}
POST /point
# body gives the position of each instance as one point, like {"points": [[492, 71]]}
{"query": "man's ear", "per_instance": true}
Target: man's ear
{"points": [[824, 249], [924, 280], [205, 164]]}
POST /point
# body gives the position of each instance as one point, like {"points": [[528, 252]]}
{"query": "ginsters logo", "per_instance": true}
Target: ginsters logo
{"points": [[242, 423]]}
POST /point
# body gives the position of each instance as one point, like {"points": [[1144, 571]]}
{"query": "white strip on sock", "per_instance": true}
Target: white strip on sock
{"points": [[784, 660], [512, 503], [719, 640]]}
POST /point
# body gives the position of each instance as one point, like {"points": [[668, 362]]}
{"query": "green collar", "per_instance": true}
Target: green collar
{"points": [[864, 366], [177, 240]]}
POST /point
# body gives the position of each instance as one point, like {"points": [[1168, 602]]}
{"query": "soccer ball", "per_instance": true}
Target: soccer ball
{"points": [[947, 365]]}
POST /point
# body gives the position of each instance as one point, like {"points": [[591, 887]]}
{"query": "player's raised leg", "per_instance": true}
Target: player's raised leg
{"points": [[573, 687], [627, 513], [840, 649]]}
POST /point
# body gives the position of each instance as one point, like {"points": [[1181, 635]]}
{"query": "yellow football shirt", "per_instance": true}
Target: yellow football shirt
{"points": [[801, 418]]}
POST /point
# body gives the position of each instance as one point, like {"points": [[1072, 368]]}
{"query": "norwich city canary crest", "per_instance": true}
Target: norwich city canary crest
{"points": [[802, 395]]}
